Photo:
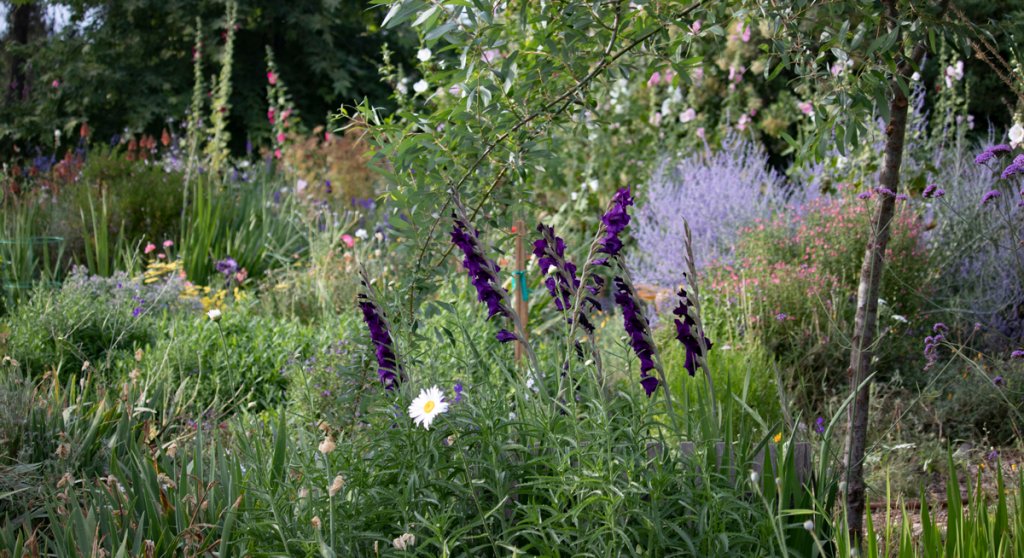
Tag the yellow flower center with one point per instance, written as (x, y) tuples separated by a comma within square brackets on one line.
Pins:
[(429, 406)]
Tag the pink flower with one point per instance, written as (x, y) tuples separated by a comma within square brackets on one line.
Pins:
[(745, 37), (669, 75), (490, 55), (271, 78), (55, 84), (168, 243), (161, 256), (327, 137), (806, 107), (277, 153), (286, 114), (280, 137), (742, 123), (654, 80), (700, 133), (348, 240), (270, 115), (688, 115), (695, 27), (149, 248)]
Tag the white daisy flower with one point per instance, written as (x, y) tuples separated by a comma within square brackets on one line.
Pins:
[(214, 315), (427, 406)]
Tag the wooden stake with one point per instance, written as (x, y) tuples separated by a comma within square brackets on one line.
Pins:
[(519, 286)]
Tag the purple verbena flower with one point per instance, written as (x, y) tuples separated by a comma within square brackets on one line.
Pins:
[(1015, 167), (939, 326), (639, 332), (882, 190), (819, 425), (227, 267), (990, 152), (933, 191), (864, 195), (998, 381), (1018, 354), (388, 369), (989, 196)]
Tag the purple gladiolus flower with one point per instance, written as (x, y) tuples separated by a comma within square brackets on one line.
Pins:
[(388, 369), (136, 311), (686, 333), (989, 196), (505, 336), (561, 281), (457, 388), (639, 331), (819, 425), (615, 221), (483, 272)]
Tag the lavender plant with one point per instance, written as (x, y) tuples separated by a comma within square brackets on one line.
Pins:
[(716, 192)]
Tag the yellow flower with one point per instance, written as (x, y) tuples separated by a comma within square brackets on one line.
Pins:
[(778, 437)]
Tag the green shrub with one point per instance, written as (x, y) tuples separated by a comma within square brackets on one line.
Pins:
[(88, 319), (794, 286), (239, 359)]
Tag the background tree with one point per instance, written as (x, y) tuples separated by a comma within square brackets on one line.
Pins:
[(128, 64)]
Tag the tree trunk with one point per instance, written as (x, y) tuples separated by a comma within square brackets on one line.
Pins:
[(17, 85), (866, 318)]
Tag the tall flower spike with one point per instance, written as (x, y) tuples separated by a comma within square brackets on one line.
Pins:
[(615, 221), (639, 332), (561, 281), (687, 331), (483, 273), (388, 370)]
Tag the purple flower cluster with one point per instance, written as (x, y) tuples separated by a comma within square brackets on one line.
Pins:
[(1017, 166), (989, 196), (990, 152), (687, 331), (615, 221), (931, 344), (227, 267), (387, 362), (639, 331), (561, 279), (933, 191), (483, 273), (1018, 354)]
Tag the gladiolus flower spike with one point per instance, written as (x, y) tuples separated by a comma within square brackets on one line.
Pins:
[(483, 273), (388, 370), (687, 331), (561, 280)]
